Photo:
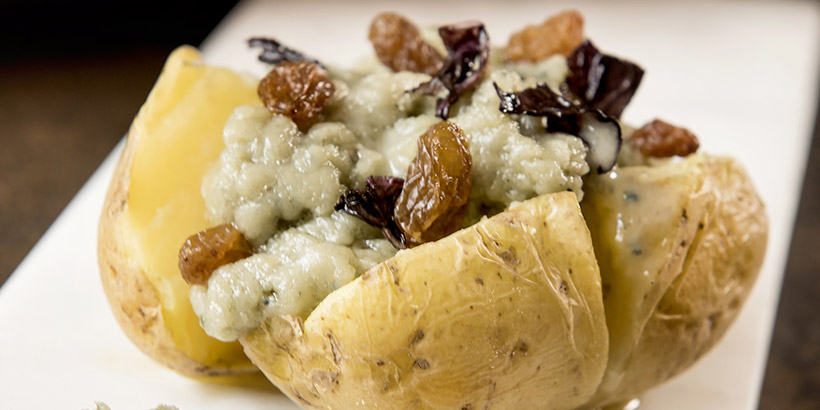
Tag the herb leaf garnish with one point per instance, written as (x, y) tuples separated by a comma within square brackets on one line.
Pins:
[(468, 52), (274, 52), (602, 81), (375, 205), (564, 113)]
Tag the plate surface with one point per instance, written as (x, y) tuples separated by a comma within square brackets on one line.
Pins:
[(741, 75)]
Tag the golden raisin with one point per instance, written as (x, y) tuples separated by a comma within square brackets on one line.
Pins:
[(434, 198), (399, 45), (297, 89), (207, 250), (660, 139), (559, 34)]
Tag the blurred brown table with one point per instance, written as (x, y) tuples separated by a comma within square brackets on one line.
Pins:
[(62, 115)]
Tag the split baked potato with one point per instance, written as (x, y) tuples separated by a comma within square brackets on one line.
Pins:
[(153, 204), (548, 304)]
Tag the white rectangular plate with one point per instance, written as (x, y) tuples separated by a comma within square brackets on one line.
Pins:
[(741, 75)]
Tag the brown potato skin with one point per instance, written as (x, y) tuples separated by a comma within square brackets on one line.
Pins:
[(135, 302), (133, 299), (726, 253), (505, 314), (719, 238)]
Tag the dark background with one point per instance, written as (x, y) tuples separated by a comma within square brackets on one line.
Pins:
[(73, 74)]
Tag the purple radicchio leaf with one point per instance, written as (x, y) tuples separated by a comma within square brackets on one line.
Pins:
[(274, 52), (600, 132), (602, 81), (468, 51), (375, 205), (540, 101)]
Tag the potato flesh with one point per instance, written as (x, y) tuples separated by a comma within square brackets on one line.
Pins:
[(180, 136), (679, 245), (636, 272), (506, 313)]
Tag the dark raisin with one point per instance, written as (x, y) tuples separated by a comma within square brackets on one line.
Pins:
[(559, 34), (399, 45), (207, 250), (434, 198), (468, 55), (299, 90), (660, 139)]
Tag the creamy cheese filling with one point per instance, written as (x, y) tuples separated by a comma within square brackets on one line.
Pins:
[(279, 185)]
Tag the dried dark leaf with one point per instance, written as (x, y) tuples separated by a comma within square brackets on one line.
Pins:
[(468, 51), (375, 205), (564, 113), (602, 81), (540, 101), (274, 52)]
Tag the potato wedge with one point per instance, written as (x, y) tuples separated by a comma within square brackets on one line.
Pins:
[(679, 246), (154, 203), (505, 314)]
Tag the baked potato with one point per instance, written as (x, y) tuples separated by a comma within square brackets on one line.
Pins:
[(504, 313), (546, 304), (153, 204)]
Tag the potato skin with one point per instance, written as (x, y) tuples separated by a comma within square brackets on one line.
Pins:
[(504, 314), (134, 300), (716, 229)]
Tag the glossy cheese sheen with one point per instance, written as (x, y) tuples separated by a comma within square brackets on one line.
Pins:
[(679, 244), (632, 200)]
